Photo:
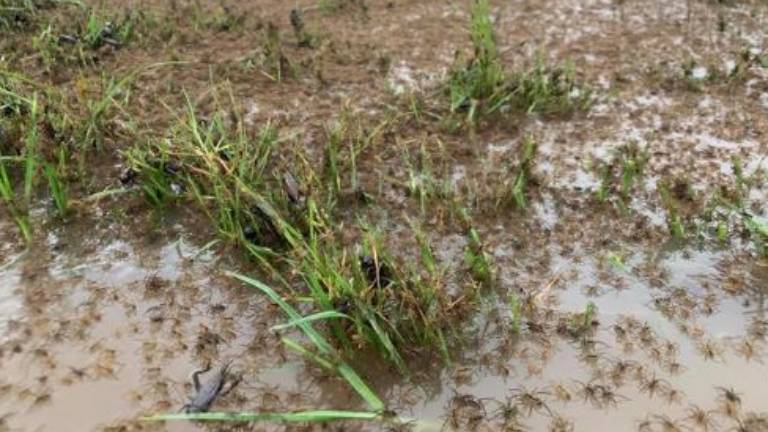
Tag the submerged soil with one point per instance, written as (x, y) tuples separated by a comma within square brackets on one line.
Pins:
[(104, 317)]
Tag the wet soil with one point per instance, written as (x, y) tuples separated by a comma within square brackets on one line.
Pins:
[(104, 318)]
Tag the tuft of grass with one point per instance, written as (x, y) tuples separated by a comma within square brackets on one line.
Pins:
[(674, 219), (273, 62), (622, 173), (482, 87), (483, 76), (477, 259), (57, 189), (515, 313), (523, 176), (324, 349), (236, 176)]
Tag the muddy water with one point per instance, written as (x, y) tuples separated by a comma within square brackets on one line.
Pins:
[(96, 333), (558, 370)]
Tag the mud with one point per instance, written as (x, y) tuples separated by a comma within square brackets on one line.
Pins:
[(104, 318)]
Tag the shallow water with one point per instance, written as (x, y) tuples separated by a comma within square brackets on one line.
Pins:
[(101, 338)]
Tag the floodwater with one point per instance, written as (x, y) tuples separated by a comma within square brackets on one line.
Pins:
[(101, 326), (96, 333)]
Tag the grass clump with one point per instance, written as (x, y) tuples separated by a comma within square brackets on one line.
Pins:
[(482, 87), (238, 178), (514, 189), (19, 14), (622, 173), (219, 167), (731, 209), (675, 222)]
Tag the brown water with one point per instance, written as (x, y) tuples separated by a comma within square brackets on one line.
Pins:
[(95, 339)]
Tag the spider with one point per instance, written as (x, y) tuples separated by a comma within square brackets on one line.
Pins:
[(729, 395), (655, 385), (620, 370), (645, 425), (592, 393), (667, 424), (749, 350), (560, 424), (710, 350), (608, 396), (562, 393), (701, 418), (531, 400), (675, 368), (673, 395), (465, 404), (508, 412)]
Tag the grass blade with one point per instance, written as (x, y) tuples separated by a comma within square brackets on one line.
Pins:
[(301, 416), (312, 334), (309, 318), (322, 345)]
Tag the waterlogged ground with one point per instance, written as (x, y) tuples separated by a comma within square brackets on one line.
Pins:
[(103, 318)]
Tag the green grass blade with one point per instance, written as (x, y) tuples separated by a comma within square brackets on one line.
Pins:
[(310, 318), (290, 343), (301, 416), (31, 140), (322, 345), (57, 190), (360, 387), (6, 189)]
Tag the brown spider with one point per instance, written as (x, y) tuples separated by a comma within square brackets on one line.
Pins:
[(562, 393), (729, 395), (645, 425), (590, 392), (701, 419), (667, 424), (609, 397), (655, 386), (675, 368), (758, 328), (749, 350), (647, 336), (620, 370), (560, 424), (620, 332), (508, 413), (674, 396), (472, 407), (531, 400), (710, 350), (599, 395)]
